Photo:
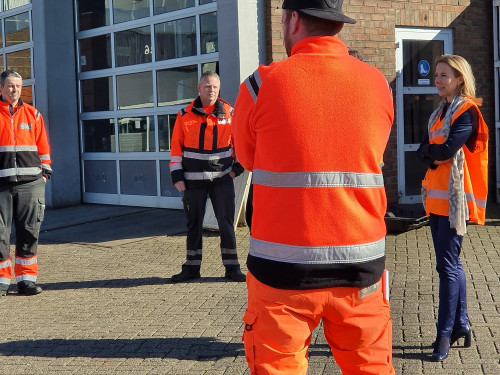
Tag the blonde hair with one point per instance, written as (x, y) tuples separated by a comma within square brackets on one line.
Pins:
[(461, 68)]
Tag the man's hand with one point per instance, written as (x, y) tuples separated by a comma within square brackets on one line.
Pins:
[(180, 185), (232, 174), (44, 179)]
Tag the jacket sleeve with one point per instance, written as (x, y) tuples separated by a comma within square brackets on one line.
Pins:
[(42, 144), (243, 128), (176, 147), (460, 132)]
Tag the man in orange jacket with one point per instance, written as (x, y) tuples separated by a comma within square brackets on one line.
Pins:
[(202, 165), (313, 129), (24, 170)]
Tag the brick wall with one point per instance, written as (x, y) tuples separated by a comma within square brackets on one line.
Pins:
[(374, 37)]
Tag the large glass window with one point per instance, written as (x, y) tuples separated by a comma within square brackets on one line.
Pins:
[(95, 53), (175, 39), (208, 33), (20, 61), (134, 90), (133, 46), (136, 134), (27, 94), (165, 130), (128, 10), (11, 4), (17, 29), (177, 85), (93, 13), (207, 1), (162, 6), (97, 94), (99, 135)]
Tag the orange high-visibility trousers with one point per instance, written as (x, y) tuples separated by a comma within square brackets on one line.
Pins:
[(279, 323)]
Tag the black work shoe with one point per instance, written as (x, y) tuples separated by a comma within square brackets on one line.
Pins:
[(185, 275), (28, 289), (235, 274)]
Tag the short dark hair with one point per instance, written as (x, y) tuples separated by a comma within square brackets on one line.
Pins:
[(317, 26), (208, 74), (8, 73)]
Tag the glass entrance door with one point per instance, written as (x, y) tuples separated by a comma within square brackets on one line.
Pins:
[(415, 101)]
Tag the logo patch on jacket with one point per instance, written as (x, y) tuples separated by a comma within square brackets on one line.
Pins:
[(24, 126), (224, 121)]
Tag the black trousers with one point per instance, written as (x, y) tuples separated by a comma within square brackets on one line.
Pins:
[(221, 193), (24, 204)]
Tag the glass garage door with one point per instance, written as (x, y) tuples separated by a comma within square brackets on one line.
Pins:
[(138, 63)]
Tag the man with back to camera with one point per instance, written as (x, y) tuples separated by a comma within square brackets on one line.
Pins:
[(202, 165), (313, 129), (24, 170)]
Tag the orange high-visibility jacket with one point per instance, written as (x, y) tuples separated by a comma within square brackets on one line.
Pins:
[(475, 171), (24, 146), (313, 129), (201, 146)]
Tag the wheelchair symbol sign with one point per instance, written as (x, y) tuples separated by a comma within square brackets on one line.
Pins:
[(423, 68)]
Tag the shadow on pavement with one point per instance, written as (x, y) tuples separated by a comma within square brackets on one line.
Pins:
[(187, 348)]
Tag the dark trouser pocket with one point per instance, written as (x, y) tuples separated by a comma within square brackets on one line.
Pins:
[(249, 339)]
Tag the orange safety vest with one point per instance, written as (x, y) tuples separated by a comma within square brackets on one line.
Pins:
[(201, 145), (475, 171), (24, 146), (313, 129)]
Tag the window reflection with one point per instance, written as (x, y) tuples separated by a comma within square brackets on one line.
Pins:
[(93, 13), (208, 33), (207, 1), (95, 53), (27, 94), (11, 4), (175, 39), (20, 61), (136, 134), (99, 135), (133, 46), (177, 85), (17, 29), (417, 110), (134, 90), (163, 6), (97, 94), (210, 67), (127, 10), (165, 130)]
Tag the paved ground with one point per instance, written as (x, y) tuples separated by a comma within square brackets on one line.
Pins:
[(109, 307)]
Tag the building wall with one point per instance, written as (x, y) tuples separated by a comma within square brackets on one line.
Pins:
[(373, 36)]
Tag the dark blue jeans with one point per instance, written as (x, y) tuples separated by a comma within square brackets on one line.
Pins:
[(452, 310)]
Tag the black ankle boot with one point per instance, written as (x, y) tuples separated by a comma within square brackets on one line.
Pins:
[(460, 332), (441, 348)]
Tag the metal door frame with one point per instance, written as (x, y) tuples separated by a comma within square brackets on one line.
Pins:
[(412, 34)]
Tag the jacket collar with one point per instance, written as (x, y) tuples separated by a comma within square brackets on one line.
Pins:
[(217, 112), (322, 45)]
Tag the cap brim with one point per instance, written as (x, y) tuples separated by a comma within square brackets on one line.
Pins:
[(332, 16)]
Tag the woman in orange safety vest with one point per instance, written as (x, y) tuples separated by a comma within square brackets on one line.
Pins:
[(454, 190)]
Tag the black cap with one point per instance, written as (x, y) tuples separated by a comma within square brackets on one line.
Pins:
[(325, 9)]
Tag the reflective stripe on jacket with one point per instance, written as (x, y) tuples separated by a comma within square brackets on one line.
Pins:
[(475, 171), (313, 129), (24, 146), (201, 150)]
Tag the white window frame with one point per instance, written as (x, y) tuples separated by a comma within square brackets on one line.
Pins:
[(412, 34)]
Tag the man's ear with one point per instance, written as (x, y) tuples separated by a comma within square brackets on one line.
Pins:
[(294, 22)]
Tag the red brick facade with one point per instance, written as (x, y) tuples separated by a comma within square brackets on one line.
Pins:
[(374, 37)]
